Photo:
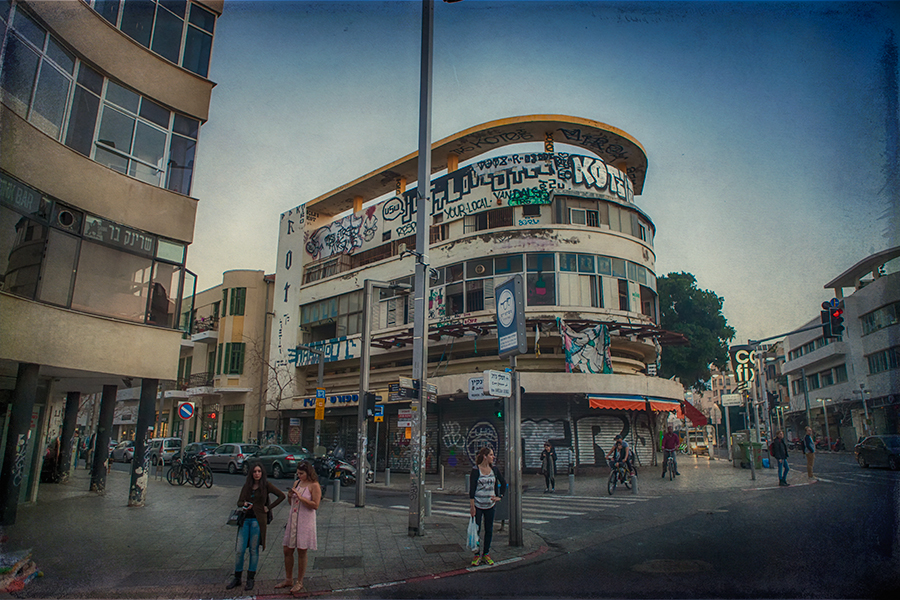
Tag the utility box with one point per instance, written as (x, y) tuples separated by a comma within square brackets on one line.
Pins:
[(744, 451)]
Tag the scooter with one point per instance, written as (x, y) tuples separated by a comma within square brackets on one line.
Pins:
[(329, 467)]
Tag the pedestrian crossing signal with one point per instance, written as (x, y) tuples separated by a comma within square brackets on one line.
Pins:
[(498, 409)]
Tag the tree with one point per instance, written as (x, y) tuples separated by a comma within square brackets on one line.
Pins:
[(278, 381), (697, 314)]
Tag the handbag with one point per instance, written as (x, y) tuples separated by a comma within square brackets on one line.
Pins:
[(236, 517), (472, 535)]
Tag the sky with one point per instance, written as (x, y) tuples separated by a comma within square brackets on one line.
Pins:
[(765, 124)]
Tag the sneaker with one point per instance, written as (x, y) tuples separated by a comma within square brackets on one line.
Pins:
[(487, 559), (476, 561)]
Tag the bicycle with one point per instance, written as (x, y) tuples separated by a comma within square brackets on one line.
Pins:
[(670, 463), (618, 474), (201, 474), (176, 473)]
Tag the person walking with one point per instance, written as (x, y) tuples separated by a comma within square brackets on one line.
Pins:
[(300, 533), (254, 499), (670, 443), (809, 449), (486, 487), (548, 467), (780, 454)]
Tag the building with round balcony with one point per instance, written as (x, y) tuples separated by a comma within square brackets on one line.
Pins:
[(566, 222)]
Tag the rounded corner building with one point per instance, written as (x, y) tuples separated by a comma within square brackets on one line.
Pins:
[(567, 223)]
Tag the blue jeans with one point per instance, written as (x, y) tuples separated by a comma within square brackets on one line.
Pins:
[(783, 469), (248, 535), (488, 515)]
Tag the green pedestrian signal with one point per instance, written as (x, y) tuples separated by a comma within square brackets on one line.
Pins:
[(498, 409)]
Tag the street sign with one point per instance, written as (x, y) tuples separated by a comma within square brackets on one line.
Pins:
[(476, 390), (731, 400), (408, 393), (320, 392), (320, 408), (407, 383), (379, 413), (186, 410), (510, 301), (498, 383)]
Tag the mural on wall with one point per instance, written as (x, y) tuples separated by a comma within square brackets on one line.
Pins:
[(595, 436), (482, 434), (511, 180), (587, 351), (342, 348), (557, 432)]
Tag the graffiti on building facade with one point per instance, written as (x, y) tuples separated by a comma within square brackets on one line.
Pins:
[(588, 350), (342, 348)]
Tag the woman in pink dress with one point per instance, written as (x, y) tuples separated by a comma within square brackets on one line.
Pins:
[(300, 533)]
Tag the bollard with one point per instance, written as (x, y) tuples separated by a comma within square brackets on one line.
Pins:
[(427, 503), (634, 484), (442, 478), (571, 484), (387, 477), (468, 476), (336, 490)]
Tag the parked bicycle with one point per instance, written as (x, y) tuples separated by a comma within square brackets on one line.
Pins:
[(194, 470), (176, 473), (619, 474), (201, 474)]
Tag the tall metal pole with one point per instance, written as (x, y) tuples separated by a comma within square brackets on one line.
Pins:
[(513, 454), (825, 415), (320, 383), (805, 396), (420, 324), (362, 420)]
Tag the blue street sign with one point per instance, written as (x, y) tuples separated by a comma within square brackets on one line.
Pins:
[(320, 392), (510, 300), (186, 410), (379, 410)]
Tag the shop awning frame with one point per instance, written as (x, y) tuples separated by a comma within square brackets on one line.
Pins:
[(631, 402)]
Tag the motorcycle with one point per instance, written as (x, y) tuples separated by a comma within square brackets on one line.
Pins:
[(331, 467)]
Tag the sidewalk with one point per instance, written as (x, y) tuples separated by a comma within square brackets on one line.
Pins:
[(178, 546)]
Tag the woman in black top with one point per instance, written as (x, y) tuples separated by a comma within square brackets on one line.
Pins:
[(780, 454)]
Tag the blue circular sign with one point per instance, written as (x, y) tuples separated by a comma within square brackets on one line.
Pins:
[(186, 410)]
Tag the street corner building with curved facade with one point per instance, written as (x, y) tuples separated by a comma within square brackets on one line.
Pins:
[(566, 222), (102, 104)]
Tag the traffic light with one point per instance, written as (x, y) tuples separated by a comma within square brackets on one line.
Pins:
[(370, 399), (498, 409), (825, 317), (836, 317)]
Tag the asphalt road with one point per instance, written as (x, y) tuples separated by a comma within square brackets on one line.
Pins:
[(834, 539)]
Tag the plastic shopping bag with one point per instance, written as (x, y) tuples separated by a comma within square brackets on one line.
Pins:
[(472, 535)]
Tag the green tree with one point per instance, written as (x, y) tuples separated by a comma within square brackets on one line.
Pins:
[(696, 314)]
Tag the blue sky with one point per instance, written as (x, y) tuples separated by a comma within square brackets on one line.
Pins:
[(763, 123)]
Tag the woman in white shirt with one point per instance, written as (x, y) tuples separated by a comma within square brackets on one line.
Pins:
[(486, 487)]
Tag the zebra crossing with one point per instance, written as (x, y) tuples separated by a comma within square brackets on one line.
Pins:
[(858, 476), (539, 510)]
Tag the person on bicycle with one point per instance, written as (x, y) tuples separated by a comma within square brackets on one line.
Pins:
[(670, 443), (619, 454)]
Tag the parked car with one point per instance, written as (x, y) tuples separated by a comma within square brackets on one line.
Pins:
[(280, 461), (879, 451), (201, 449), (230, 457), (123, 451), (162, 449)]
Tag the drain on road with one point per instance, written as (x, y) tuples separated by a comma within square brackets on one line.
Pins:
[(436, 548), (338, 562), (668, 565)]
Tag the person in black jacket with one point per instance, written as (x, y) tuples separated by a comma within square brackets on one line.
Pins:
[(548, 467), (486, 487), (780, 454)]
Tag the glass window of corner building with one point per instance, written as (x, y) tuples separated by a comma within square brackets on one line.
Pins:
[(568, 262), (509, 264), (112, 283), (167, 32), (482, 267)]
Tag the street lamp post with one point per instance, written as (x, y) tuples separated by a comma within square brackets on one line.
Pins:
[(862, 396), (362, 419), (825, 415)]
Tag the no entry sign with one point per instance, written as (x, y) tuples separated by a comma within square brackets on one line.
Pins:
[(186, 410)]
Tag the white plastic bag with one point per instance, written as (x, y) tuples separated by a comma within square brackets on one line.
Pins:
[(472, 536)]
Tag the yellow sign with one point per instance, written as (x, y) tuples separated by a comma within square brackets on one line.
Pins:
[(408, 433), (320, 409), (379, 419)]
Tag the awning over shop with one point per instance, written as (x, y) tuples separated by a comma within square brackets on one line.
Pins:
[(696, 417), (625, 402)]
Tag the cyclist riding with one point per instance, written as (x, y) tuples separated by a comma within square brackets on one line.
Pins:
[(620, 453), (670, 443)]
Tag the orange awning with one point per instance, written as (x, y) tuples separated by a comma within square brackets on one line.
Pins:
[(618, 403)]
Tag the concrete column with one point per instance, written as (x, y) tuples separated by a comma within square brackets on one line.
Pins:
[(101, 441), (70, 416), (140, 464), (12, 474)]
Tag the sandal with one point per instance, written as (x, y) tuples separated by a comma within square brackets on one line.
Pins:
[(298, 588), (284, 584)]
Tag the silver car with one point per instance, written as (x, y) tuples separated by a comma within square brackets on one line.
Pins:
[(123, 452), (230, 457)]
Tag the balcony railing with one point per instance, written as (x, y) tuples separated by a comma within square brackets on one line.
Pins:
[(196, 380), (206, 324)]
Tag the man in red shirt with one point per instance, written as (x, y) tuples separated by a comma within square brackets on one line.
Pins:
[(670, 443)]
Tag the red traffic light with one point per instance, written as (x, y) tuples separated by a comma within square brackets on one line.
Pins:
[(211, 415), (836, 313)]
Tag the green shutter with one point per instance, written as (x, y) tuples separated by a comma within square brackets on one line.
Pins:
[(219, 363), (238, 359), (188, 366), (211, 362), (224, 302), (227, 358)]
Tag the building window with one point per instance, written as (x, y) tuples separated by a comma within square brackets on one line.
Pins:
[(238, 299), (623, 294), (224, 301), (234, 358), (531, 210), (812, 381), (161, 27), (880, 318), (840, 374), (491, 219), (885, 360), (55, 254)]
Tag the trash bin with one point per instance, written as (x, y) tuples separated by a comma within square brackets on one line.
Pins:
[(742, 460)]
